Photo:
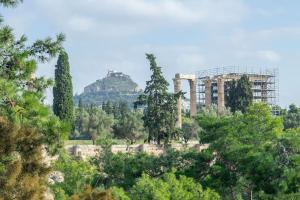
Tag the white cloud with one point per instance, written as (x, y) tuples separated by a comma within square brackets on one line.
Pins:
[(81, 24), (138, 16), (269, 55), (189, 60)]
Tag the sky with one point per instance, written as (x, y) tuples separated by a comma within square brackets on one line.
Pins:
[(186, 36)]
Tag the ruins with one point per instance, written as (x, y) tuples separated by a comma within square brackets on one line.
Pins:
[(193, 95), (211, 87)]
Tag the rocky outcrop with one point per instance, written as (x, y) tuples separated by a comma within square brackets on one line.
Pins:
[(115, 87)]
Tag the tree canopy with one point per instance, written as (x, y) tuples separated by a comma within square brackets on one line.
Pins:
[(27, 125), (160, 106), (240, 94), (251, 159)]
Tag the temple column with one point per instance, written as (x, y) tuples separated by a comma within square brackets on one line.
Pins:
[(193, 97), (221, 96), (177, 88), (208, 93)]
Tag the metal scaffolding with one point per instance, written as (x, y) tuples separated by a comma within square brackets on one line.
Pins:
[(265, 83)]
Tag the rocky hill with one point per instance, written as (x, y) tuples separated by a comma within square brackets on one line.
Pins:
[(115, 87)]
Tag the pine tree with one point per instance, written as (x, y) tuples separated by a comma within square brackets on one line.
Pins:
[(240, 94), (23, 173), (103, 106), (26, 125), (80, 104), (63, 90), (160, 112)]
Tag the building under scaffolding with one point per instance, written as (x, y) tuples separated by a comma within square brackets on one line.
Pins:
[(213, 85)]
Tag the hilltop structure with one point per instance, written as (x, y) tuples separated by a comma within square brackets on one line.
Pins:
[(115, 87)]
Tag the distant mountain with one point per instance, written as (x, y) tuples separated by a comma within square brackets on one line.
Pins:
[(115, 87)]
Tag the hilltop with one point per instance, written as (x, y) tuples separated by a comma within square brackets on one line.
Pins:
[(115, 87)]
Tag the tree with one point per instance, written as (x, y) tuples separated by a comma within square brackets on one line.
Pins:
[(190, 129), (99, 123), (93, 194), (23, 174), (80, 123), (130, 127), (169, 187), (160, 111), (252, 157), (26, 123), (91, 122), (63, 89), (109, 108), (77, 174), (240, 94), (292, 117), (10, 3)]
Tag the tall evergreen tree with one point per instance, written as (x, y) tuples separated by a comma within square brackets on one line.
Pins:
[(26, 126), (63, 89), (240, 94), (160, 112)]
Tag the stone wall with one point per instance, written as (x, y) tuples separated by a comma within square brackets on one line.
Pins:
[(87, 151)]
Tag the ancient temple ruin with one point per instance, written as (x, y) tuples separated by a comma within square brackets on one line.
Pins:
[(193, 95), (211, 87)]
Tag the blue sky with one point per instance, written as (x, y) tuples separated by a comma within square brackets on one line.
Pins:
[(185, 35)]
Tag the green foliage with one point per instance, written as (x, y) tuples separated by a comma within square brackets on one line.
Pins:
[(10, 3), (22, 171), (92, 122), (292, 117), (63, 89), (169, 187), (212, 111), (93, 194), (160, 111), (119, 194), (21, 93), (31, 126), (130, 127), (59, 193), (190, 129), (250, 155), (77, 174), (240, 94), (123, 170)]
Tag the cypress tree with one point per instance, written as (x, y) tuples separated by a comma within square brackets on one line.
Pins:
[(63, 89), (245, 97), (240, 94)]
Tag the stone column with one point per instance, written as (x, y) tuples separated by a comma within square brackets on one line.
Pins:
[(221, 96), (177, 88), (208, 93), (193, 97)]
